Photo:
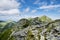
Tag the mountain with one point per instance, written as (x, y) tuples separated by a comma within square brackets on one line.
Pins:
[(38, 28), (45, 19), (23, 23), (8, 25), (2, 21), (50, 31)]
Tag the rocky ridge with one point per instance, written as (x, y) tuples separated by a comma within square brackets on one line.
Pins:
[(39, 30)]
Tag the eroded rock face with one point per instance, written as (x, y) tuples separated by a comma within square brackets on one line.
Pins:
[(40, 32)]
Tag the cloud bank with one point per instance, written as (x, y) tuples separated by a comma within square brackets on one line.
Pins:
[(8, 7)]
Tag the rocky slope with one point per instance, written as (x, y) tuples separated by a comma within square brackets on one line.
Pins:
[(38, 29)]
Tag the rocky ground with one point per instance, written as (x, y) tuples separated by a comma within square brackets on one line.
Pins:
[(40, 31)]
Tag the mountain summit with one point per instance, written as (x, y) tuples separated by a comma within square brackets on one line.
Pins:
[(45, 19)]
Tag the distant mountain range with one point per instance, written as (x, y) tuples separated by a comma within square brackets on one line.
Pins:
[(38, 28)]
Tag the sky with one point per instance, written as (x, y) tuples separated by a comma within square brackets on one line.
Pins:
[(17, 9)]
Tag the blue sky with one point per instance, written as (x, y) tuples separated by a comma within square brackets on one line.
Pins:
[(17, 9)]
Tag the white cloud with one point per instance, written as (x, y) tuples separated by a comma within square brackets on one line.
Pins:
[(36, 2), (9, 7), (8, 4), (49, 7), (23, 1), (43, 3), (27, 9), (52, 1), (33, 11), (59, 11), (10, 12), (15, 18)]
